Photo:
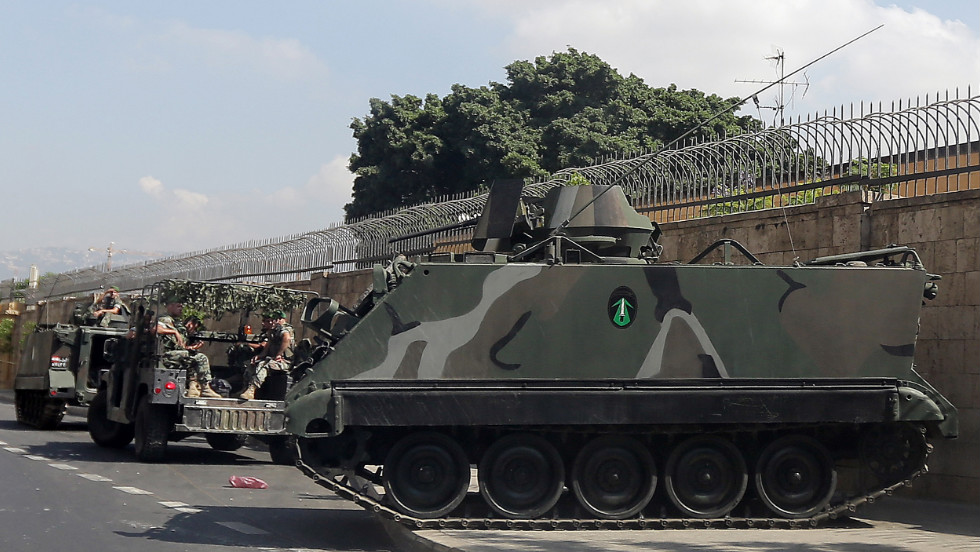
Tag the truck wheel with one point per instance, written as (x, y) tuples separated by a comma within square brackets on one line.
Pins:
[(153, 422), (283, 450), (226, 441), (105, 432)]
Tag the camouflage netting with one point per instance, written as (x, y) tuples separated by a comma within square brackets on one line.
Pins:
[(214, 300)]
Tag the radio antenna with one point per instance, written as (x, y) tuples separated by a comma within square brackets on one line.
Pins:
[(738, 102)]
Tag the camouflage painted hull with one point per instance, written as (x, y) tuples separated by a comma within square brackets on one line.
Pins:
[(785, 351), (536, 321), (580, 377)]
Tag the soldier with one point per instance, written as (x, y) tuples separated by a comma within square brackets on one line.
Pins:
[(108, 304), (275, 354), (177, 353)]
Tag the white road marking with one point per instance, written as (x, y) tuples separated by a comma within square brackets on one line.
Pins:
[(3, 443), (93, 477), (132, 490), (242, 528), (35, 457), (65, 467), (181, 507), (15, 449)]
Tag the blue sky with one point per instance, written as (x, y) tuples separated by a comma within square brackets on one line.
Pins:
[(184, 125)]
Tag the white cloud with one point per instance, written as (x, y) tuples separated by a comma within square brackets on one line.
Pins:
[(189, 199), (333, 183), (284, 58), (193, 220), (151, 186), (319, 201), (708, 44)]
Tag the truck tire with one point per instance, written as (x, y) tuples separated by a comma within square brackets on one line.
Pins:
[(152, 427), (282, 449), (105, 432), (226, 441)]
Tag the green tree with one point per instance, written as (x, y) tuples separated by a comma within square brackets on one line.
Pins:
[(6, 335), (560, 111)]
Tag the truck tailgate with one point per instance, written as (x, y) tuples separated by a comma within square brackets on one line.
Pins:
[(233, 416)]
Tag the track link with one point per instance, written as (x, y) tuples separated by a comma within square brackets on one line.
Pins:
[(341, 486)]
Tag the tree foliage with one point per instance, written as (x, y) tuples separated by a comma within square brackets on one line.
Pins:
[(555, 112), (6, 335)]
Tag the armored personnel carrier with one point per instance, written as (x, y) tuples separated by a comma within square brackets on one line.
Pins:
[(591, 386)]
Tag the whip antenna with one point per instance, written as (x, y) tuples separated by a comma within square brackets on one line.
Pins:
[(738, 102)]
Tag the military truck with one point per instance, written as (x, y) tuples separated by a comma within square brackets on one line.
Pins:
[(60, 366), (592, 386), (143, 397)]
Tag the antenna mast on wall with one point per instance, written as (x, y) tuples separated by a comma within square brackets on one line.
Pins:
[(779, 57)]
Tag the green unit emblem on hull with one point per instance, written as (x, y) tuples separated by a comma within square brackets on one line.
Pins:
[(622, 307)]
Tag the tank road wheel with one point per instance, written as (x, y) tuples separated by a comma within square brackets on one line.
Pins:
[(426, 475), (893, 452), (105, 432), (614, 477), (706, 477), (152, 429), (521, 476), (225, 441), (795, 476)]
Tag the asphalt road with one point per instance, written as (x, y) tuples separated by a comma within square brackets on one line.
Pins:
[(62, 492)]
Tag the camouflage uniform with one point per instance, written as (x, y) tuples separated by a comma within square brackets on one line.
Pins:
[(108, 303), (174, 357), (256, 373)]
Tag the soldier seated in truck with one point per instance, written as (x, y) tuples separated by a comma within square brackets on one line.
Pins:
[(275, 354), (105, 307), (177, 353)]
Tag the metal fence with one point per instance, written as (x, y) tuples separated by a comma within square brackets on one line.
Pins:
[(909, 148)]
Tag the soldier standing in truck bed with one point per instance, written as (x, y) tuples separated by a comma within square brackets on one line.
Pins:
[(276, 354)]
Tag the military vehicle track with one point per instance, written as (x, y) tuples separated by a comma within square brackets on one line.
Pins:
[(365, 497), (36, 409)]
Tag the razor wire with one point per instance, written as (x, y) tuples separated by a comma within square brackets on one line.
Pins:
[(926, 146)]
